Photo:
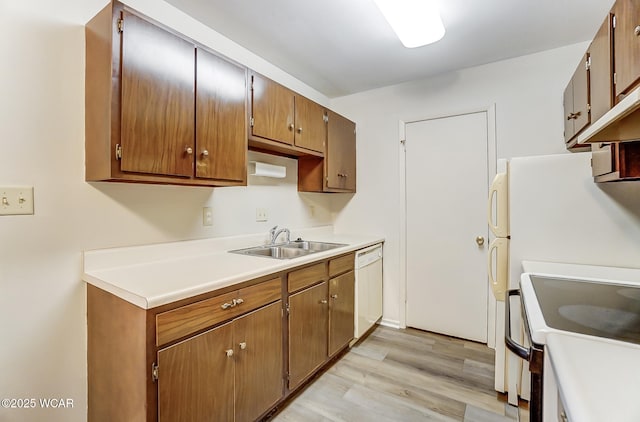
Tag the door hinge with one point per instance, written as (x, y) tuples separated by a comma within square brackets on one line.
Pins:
[(587, 64), (615, 78), (614, 22), (287, 309), (588, 108), (118, 152), (325, 118), (120, 25), (403, 141), (154, 372), (251, 121)]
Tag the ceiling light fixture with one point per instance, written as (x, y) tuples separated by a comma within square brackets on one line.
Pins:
[(415, 22)]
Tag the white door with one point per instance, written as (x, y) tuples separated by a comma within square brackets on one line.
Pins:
[(446, 199)]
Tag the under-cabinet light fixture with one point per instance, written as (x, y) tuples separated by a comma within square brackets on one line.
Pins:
[(256, 168), (415, 22)]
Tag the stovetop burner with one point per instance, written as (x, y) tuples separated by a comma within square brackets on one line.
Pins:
[(591, 308)]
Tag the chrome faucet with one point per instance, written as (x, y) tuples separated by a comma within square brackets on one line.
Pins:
[(275, 232)]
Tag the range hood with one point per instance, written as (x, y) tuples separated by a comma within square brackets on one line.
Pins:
[(621, 123)]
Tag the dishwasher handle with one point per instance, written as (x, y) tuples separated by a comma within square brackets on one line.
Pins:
[(518, 349)]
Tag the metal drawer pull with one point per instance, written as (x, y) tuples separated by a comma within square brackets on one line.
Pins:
[(637, 30), (233, 303), (323, 302), (243, 345), (334, 296), (229, 352)]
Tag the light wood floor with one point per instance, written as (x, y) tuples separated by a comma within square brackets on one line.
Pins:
[(405, 375)]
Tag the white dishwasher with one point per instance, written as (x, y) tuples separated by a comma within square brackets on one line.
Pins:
[(368, 302)]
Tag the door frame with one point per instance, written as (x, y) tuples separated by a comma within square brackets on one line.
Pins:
[(490, 111)]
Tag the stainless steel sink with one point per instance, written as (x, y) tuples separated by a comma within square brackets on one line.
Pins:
[(289, 250)]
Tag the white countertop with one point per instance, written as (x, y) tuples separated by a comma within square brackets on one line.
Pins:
[(598, 379), (154, 275)]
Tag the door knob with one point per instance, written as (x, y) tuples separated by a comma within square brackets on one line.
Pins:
[(480, 240)]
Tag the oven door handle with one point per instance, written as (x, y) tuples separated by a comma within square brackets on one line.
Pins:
[(518, 349)]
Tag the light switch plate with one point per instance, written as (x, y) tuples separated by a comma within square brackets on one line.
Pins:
[(262, 214), (16, 200), (207, 216)]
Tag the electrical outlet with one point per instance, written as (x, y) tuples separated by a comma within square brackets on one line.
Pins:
[(262, 214), (207, 216), (16, 200)]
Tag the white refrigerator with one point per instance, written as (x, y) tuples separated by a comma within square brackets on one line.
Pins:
[(555, 213)]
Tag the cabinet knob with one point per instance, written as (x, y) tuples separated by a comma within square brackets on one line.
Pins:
[(291, 126), (188, 150), (205, 153), (243, 345), (480, 240), (238, 301), (227, 305), (637, 31), (323, 302), (229, 352), (299, 130), (334, 296)]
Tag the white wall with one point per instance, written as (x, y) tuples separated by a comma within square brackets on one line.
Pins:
[(42, 297), (527, 92)]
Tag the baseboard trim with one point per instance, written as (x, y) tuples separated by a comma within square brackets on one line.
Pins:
[(392, 323)]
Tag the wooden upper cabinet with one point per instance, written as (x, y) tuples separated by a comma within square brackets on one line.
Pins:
[(600, 71), (221, 139), (340, 159), (157, 110), (285, 122), (626, 45), (141, 106), (272, 110), (576, 101), (310, 125)]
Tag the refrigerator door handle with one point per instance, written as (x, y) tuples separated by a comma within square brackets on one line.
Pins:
[(499, 284), (499, 186)]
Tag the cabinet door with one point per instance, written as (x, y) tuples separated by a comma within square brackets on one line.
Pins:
[(272, 109), (308, 313), (581, 96), (341, 311), (196, 378), (157, 104), (310, 124), (567, 103), (600, 87), (340, 159), (626, 44), (221, 133), (259, 375)]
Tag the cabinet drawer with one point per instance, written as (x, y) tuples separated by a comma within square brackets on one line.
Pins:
[(300, 279), (341, 265), (180, 322)]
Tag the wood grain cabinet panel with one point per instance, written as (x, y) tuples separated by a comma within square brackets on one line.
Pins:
[(341, 311), (336, 172), (600, 71), (221, 139), (144, 121), (157, 100), (308, 330), (272, 110), (196, 378), (626, 45), (576, 103), (259, 360), (305, 277), (310, 125), (342, 264)]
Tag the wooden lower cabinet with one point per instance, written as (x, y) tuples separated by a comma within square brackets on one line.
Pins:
[(308, 313), (196, 378), (341, 311), (230, 373)]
